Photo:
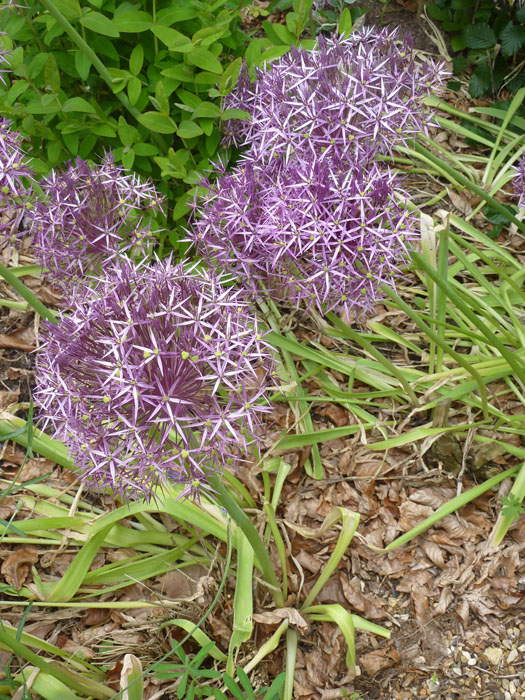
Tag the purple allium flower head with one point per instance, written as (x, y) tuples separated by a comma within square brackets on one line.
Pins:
[(519, 182), (89, 216), (155, 377), (314, 231), (15, 184), (359, 94)]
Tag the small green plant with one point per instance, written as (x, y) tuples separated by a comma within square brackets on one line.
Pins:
[(487, 35), (193, 681)]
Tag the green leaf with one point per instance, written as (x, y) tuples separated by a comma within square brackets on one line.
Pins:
[(208, 35), (520, 14), (345, 23), (480, 80), (100, 24), (181, 207), (162, 98), (159, 123), (206, 109), (132, 21), (69, 8), (479, 36), (512, 39), (278, 34), (51, 74), (71, 141), (126, 133), (145, 149), (202, 58), (188, 129), (235, 113), (177, 13), (82, 64), (128, 159), (181, 72), (174, 40), (136, 59), (229, 78), (274, 52), (78, 104), (134, 90)]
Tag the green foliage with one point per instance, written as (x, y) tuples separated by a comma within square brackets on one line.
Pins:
[(512, 506), (145, 80), (488, 36), (193, 679)]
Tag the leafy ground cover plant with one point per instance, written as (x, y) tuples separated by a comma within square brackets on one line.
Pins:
[(489, 36), (144, 81)]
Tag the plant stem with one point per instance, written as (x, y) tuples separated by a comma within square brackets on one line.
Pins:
[(26, 294), (238, 516)]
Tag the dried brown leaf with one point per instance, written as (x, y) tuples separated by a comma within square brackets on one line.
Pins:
[(378, 660), (336, 414), (7, 398), (412, 513), (275, 617), (15, 566), (23, 339), (96, 616)]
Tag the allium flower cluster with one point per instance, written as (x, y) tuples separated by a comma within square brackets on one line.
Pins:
[(15, 184), (309, 212), (155, 377), (89, 216), (360, 95), (313, 231), (519, 182)]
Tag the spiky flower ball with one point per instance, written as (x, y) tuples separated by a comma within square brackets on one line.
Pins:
[(16, 180), (156, 377), (361, 94), (314, 231), (89, 216), (519, 182)]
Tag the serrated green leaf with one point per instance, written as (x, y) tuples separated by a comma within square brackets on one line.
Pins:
[(159, 123), (100, 24), (479, 36), (480, 80), (202, 58), (512, 39), (78, 104), (188, 129)]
